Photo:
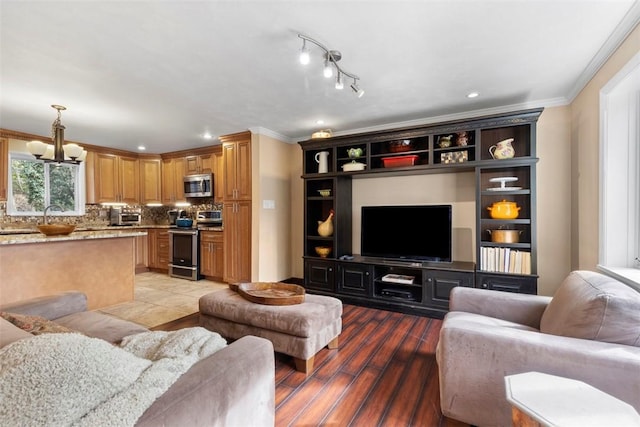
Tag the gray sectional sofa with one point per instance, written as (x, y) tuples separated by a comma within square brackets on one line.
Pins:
[(234, 386)]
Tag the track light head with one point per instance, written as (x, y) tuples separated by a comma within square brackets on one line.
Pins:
[(339, 82), (304, 54), (328, 69), (359, 92)]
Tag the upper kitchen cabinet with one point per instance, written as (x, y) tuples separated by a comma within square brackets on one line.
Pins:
[(173, 172), (150, 180), (200, 163), (117, 178), (4, 167), (236, 168)]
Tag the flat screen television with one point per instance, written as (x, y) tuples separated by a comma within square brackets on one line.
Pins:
[(412, 233)]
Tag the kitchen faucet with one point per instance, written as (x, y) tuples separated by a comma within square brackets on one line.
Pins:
[(44, 219)]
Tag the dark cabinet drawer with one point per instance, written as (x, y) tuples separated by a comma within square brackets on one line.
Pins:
[(319, 275), (508, 283), (438, 286), (355, 279)]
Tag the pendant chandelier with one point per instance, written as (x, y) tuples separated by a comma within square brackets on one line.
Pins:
[(58, 152)]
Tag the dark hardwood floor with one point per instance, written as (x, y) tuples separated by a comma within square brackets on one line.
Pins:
[(383, 374)]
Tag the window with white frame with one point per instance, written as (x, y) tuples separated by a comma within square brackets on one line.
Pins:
[(34, 185), (620, 175)]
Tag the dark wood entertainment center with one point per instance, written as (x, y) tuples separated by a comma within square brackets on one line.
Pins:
[(359, 280)]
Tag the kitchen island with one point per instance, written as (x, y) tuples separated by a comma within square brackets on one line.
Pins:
[(99, 263)]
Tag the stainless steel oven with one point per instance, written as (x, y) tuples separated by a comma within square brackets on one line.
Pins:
[(184, 253)]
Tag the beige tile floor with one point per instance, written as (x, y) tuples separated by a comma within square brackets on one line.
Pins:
[(160, 299)]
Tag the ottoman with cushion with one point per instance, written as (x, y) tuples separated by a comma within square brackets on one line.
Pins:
[(299, 330)]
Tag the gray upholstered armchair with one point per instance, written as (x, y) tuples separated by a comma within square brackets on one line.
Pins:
[(589, 331)]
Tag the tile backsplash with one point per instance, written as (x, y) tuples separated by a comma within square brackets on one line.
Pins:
[(98, 215)]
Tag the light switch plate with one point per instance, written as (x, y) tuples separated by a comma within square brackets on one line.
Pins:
[(268, 204)]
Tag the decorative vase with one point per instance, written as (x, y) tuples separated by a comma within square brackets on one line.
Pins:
[(322, 159), (502, 150), (325, 228)]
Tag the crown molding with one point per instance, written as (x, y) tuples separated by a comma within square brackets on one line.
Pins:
[(552, 102), (272, 134), (628, 23)]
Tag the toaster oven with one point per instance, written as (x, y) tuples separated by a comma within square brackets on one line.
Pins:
[(125, 216)]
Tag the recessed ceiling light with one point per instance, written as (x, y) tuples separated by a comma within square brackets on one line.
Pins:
[(141, 147), (320, 122), (207, 135), (472, 95)]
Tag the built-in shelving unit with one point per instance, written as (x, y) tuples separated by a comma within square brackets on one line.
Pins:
[(449, 147)]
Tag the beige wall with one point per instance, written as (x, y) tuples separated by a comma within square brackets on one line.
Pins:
[(554, 198), (272, 227), (585, 134), (455, 189)]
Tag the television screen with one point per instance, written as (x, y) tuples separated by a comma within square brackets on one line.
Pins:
[(420, 233)]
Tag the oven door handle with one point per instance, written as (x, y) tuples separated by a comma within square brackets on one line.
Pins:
[(190, 232)]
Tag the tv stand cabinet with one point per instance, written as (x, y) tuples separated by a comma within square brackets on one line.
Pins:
[(359, 281)]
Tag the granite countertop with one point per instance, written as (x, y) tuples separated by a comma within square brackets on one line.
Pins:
[(37, 237), (32, 235)]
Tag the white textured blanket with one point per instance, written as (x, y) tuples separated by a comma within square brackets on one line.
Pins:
[(71, 379)]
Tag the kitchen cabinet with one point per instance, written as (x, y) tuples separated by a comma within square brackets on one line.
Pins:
[(201, 163), (237, 241), (4, 167), (158, 240), (212, 254), (150, 180), (236, 197), (236, 167), (117, 179), (172, 180)]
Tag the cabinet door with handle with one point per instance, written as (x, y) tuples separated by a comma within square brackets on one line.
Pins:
[(354, 279), (438, 285), (319, 275)]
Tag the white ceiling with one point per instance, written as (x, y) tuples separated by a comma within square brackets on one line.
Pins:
[(162, 73)]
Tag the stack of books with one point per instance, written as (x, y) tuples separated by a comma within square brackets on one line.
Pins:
[(505, 260)]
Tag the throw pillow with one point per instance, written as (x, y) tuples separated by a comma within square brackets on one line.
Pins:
[(35, 325), (593, 306)]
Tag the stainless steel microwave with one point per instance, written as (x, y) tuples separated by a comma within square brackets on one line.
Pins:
[(200, 185)]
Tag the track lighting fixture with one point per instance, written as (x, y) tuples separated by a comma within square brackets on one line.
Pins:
[(331, 58)]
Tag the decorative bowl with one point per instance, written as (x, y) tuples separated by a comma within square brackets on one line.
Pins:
[(326, 192), (184, 222), (56, 229), (353, 166), (323, 251), (400, 145)]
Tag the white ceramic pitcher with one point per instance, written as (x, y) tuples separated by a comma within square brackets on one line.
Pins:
[(322, 159)]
